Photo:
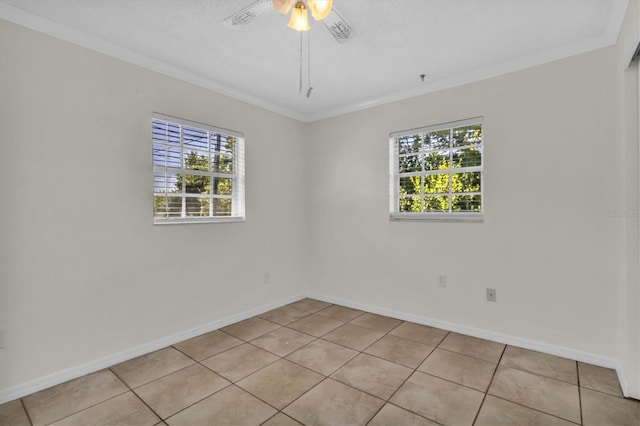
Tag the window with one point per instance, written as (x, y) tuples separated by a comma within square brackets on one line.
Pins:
[(436, 172), (198, 172)]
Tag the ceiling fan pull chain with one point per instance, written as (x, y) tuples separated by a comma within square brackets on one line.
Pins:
[(309, 88), (300, 86)]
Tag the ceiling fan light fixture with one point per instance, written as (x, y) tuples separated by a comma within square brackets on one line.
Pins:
[(299, 18), (320, 9), (283, 6)]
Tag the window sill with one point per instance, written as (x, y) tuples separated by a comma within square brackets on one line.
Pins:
[(438, 217), (181, 221)]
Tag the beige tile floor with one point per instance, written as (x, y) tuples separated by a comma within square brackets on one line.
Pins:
[(314, 363)]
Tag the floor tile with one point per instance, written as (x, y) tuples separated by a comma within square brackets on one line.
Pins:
[(239, 362), (281, 420), (473, 346), (12, 414), (124, 410), (207, 345), (600, 409), (393, 415), (175, 392), (438, 399), (376, 322), (280, 360), (373, 375), (546, 365), (144, 369), (332, 403), (340, 313), (465, 370), (541, 393), (230, 406), (354, 337), (282, 341), (496, 411), (599, 378), (284, 315), (68, 398), (399, 350), (420, 333), (322, 356), (315, 325), (310, 305), (250, 328), (280, 383)]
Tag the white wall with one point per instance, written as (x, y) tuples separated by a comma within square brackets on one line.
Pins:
[(629, 288), (84, 272), (552, 167)]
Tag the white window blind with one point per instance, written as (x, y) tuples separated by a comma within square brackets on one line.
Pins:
[(436, 172), (198, 172)]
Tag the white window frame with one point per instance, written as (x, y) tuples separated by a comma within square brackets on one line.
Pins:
[(394, 176), (237, 177)]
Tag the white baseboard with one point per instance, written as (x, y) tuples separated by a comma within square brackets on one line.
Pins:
[(547, 348), (36, 385), (622, 378), (14, 392)]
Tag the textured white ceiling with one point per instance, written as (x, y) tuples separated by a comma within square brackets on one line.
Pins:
[(451, 41)]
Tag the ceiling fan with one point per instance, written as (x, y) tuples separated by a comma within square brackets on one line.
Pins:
[(333, 21)]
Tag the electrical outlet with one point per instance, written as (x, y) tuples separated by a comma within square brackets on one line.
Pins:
[(267, 277), (442, 280), (491, 295)]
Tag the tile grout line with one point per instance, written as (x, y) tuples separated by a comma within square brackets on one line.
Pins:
[(512, 367), (537, 410), (243, 377), (540, 375), (83, 409), (410, 375), (308, 368), (579, 393), (162, 419), (147, 405), (327, 377), (518, 403), (450, 381), (248, 342), (138, 396), (486, 392), (414, 369), (24, 407), (91, 406), (160, 377), (200, 400), (300, 396), (273, 406), (624, 398), (279, 410)]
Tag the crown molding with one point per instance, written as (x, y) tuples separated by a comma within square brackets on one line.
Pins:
[(63, 32), (54, 29), (606, 39)]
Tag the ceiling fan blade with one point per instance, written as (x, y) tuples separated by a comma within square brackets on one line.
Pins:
[(337, 26), (249, 13)]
